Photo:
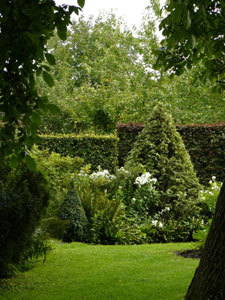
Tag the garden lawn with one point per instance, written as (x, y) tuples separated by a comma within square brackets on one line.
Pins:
[(79, 271)]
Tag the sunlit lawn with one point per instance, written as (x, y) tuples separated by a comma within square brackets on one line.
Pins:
[(79, 271)]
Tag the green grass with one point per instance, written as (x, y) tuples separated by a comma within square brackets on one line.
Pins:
[(77, 271)]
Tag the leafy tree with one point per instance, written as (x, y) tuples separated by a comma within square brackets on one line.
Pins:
[(25, 27), (96, 72), (194, 33), (104, 75)]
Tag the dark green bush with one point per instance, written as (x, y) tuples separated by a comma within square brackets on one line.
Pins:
[(95, 150), (72, 209), (23, 198), (160, 149)]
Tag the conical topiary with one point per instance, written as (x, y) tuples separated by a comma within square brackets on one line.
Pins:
[(160, 148), (72, 209)]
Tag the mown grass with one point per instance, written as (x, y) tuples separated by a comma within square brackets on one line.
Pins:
[(78, 271)]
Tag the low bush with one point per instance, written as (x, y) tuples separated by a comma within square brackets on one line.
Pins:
[(208, 206), (71, 209)]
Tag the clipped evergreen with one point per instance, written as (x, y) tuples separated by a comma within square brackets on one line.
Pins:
[(159, 147), (72, 209)]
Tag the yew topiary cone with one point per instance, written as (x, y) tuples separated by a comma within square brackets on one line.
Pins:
[(160, 148)]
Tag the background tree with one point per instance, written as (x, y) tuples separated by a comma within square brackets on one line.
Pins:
[(194, 33), (25, 27), (104, 75)]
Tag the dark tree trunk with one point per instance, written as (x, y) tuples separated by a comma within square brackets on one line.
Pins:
[(208, 282)]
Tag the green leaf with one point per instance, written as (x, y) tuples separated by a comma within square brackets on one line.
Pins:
[(47, 68), (50, 58), (30, 162), (61, 30), (13, 161), (81, 3), (31, 81), (188, 19), (193, 40), (38, 72), (48, 78), (75, 9), (36, 119)]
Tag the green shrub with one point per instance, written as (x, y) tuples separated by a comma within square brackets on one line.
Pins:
[(100, 194), (38, 246), (170, 231), (72, 209), (161, 150), (209, 199), (23, 199), (93, 189), (59, 170), (136, 189), (95, 150)]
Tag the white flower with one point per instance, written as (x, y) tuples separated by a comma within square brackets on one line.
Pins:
[(122, 170), (160, 224), (154, 222), (157, 223), (82, 173), (214, 178), (145, 178), (102, 174), (167, 208)]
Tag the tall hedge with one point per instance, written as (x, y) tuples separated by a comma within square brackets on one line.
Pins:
[(95, 150), (204, 142), (160, 149)]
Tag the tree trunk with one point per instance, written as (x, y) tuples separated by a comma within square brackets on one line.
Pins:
[(208, 282)]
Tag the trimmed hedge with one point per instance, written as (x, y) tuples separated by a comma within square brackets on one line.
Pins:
[(94, 149), (205, 144)]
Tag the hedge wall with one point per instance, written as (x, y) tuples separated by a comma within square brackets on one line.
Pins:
[(95, 150), (205, 144)]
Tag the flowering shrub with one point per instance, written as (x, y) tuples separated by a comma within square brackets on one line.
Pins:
[(209, 197), (115, 204)]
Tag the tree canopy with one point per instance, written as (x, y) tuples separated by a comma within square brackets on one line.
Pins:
[(25, 27), (104, 75), (194, 33)]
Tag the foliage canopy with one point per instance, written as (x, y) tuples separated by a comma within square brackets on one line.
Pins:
[(23, 56)]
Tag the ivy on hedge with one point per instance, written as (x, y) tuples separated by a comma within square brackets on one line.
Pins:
[(97, 150), (205, 144)]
